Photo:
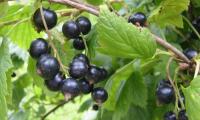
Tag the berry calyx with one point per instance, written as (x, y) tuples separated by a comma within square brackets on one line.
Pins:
[(138, 18), (182, 115), (78, 44), (47, 66), (190, 53), (70, 87), (99, 95), (95, 107), (49, 16), (70, 29), (78, 69), (82, 57), (85, 86), (55, 83), (165, 94), (94, 74), (170, 116), (39, 47), (84, 24)]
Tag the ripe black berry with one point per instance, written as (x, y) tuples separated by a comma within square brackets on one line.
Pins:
[(55, 83), (99, 95), (50, 18), (39, 47), (85, 86), (138, 18), (78, 43), (78, 69), (95, 107), (71, 87), (82, 57), (70, 29), (190, 53), (182, 115), (47, 66), (103, 73), (94, 74), (84, 24), (170, 116), (165, 94)]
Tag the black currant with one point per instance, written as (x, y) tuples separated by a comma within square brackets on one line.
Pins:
[(84, 24), (138, 18), (190, 53), (104, 73), (94, 74), (99, 95), (39, 47), (82, 57), (47, 66), (55, 83), (71, 87), (165, 94), (70, 29), (170, 116), (50, 18), (78, 44), (85, 86), (163, 82), (95, 107), (182, 115), (78, 69)]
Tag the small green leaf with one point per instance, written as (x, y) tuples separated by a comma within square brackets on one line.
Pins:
[(192, 97), (119, 38), (169, 13)]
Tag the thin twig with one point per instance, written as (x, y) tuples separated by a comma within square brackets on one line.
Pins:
[(197, 68)]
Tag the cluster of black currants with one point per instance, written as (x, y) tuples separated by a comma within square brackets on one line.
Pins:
[(74, 29), (82, 75)]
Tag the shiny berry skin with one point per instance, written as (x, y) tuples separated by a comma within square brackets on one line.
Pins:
[(39, 47), (182, 115), (84, 24), (94, 74), (99, 95), (138, 18), (50, 18), (70, 29), (165, 94), (78, 44), (190, 53), (104, 73), (55, 83), (95, 107), (82, 57), (170, 116), (78, 69), (70, 86), (47, 66), (85, 86)]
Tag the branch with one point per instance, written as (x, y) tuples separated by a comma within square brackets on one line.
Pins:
[(96, 11)]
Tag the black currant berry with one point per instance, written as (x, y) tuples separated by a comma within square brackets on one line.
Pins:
[(165, 94), (78, 44), (190, 53), (85, 86), (78, 69), (95, 107), (39, 47), (71, 87), (182, 115), (47, 66), (84, 24), (99, 95), (55, 83), (104, 73), (94, 74), (163, 82), (70, 29), (138, 18), (170, 116), (50, 18), (82, 57)]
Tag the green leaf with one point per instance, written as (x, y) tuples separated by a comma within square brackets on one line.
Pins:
[(5, 65), (4, 8), (119, 38), (192, 97), (169, 13)]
